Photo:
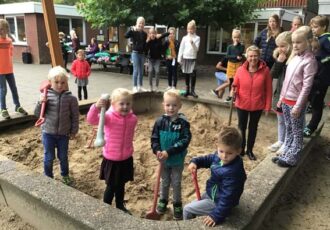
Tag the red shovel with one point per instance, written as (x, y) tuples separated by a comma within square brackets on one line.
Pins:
[(194, 177), (152, 214), (43, 89)]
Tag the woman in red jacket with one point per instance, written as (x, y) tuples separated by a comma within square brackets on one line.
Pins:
[(253, 90)]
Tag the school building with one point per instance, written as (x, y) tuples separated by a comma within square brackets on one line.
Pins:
[(28, 30)]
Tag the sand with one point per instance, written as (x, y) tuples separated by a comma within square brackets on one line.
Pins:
[(304, 205), (85, 162)]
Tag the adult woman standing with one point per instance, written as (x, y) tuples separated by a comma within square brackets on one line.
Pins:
[(253, 88), (266, 39)]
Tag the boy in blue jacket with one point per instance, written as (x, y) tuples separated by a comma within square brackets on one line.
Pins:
[(169, 141), (226, 184)]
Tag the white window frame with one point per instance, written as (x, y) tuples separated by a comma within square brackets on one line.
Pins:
[(16, 29), (83, 41)]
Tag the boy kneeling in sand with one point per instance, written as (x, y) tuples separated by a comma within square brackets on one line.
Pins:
[(226, 184)]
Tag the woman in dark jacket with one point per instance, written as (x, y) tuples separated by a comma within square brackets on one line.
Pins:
[(266, 39)]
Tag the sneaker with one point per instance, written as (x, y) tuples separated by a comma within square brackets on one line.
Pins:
[(66, 180), (283, 164), (173, 87), (307, 132), (228, 99), (275, 160), (141, 89), (5, 114), (280, 150), (168, 88), (21, 111), (162, 206), (177, 211), (276, 146), (214, 92), (135, 89)]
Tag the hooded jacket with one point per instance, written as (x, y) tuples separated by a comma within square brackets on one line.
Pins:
[(253, 92)]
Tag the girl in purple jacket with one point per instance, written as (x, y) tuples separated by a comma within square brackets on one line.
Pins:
[(119, 126), (293, 98)]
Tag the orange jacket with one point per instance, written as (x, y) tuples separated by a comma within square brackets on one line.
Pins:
[(6, 56), (253, 92)]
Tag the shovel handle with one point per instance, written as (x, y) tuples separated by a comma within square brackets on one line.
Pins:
[(194, 177), (156, 188)]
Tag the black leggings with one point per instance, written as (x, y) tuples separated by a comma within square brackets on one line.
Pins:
[(112, 191), (253, 118), (85, 92)]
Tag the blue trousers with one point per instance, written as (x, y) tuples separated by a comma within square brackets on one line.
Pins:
[(138, 66), (3, 89), (50, 142)]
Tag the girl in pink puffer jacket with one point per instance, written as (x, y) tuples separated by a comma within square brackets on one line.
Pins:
[(119, 126)]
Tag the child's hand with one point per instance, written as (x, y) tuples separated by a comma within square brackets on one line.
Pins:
[(279, 104), (239, 58), (162, 155), (295, 112), (42, 98), (208, 221), (192, 167), (101, 103), (281, 57)]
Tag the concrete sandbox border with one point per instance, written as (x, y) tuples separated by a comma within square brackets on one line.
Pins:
[(49, 204)]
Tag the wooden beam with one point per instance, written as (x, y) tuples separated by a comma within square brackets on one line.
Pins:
[(52, 33)]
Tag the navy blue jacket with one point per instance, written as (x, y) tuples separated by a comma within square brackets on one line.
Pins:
[(172, 137), (267, 47), (323, 53), (225, 185)]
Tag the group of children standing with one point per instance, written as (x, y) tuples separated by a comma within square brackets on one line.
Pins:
[(151, 45)]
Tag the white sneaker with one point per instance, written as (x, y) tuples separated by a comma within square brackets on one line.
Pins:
[(168, 88), (173, 87), (135, 89), (141, 89), (274, 147), (280, 150)]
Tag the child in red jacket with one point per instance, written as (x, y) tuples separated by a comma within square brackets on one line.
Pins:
[(81, 70)]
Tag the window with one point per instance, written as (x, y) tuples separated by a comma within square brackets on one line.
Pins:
[(218, 40), (17, 29), (66, 24)]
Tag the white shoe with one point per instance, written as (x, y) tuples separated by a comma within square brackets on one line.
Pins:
[(280, 150), (274, 147), (168, 88), (173, 87), (135, 89), (141, 89)]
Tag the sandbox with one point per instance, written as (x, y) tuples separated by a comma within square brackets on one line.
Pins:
[(24, 146)]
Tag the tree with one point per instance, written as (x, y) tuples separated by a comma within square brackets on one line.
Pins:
[(223, 13)]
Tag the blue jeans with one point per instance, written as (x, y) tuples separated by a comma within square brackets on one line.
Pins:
[(138, 65), (3, 89), (221, 77), (50, 142)]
